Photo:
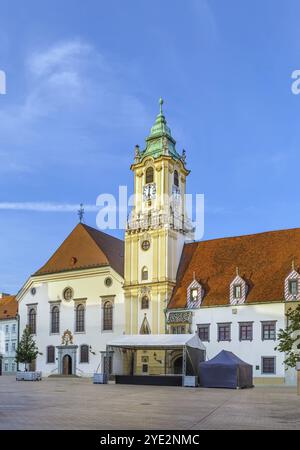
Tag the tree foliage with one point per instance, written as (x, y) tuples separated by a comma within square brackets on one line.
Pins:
[(289, 338), (27, 350)]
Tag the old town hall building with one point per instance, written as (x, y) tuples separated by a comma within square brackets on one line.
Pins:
[(232, 292)]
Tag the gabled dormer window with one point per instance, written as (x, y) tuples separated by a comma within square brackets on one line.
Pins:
[(292, 285), (194, 295), (238, 290)]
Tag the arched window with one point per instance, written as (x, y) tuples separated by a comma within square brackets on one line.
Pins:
[(176, 179), (145, 302), (32, 320), (50, 354), (80, 313), (107, 316), (144, 273), (149, 175), (55, 319), (84, 353)]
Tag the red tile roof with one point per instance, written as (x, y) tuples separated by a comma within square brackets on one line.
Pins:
[(8, 307), (85, 248), (264, 260)]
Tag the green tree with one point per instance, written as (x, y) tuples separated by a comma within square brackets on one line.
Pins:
[(289, 338), (27, 350)]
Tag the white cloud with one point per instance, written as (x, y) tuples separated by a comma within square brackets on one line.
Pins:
[(45, 207), (71, 91), (58, 57)]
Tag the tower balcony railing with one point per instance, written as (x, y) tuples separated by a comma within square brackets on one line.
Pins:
[(156, 219)]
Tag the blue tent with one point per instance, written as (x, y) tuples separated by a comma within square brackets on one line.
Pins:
[(225, 370)]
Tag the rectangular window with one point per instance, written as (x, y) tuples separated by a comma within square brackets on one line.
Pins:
[(13, 367), (50, 354), (6, 329), (203, 332), (145, 368), (268, 364), (237, 291), (246, 331), (268, 331), (14, 328), (224, 332), (194, 294), (293, 287), (13, 346), (6, 347), (6, 367), (178, 329)]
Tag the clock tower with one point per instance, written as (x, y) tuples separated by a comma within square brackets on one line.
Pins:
[(156, 230)]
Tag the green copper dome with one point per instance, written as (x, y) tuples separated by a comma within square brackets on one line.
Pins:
[(160, 141)]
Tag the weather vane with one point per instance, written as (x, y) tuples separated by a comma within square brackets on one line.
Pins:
[(81, 212)]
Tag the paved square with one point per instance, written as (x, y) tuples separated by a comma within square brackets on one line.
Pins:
[(78, 404)]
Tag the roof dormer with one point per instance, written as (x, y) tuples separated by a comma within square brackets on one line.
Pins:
[(292, 285), (238, 290), (195, 294)]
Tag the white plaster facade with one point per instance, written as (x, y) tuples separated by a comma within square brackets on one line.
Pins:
[(89, 289), (8, 345), (251, 351)]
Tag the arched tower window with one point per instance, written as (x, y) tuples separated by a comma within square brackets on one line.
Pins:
[(144, 273), (107, 316), (80, 319), (145, 302), (32, 320), (149, 175), (55, 319), (176, 179)]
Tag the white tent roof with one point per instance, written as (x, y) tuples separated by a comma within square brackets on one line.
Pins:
[(157, 341)]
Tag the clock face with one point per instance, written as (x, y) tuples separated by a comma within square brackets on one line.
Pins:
[(149, 191)]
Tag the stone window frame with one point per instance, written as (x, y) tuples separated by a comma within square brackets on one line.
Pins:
[(80, 354), (104, 300), (262, 365), (77, 303), (144, 273), (207, 327), (32, 306), (47, 354), (266, 323), (246, 323), (293, 276), (222, 324), (52, 305), (238, 281)]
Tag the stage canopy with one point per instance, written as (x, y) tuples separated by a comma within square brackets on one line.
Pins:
[(186, 349), (157, 341)]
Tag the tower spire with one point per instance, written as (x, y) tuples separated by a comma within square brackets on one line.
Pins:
[(161, 102)]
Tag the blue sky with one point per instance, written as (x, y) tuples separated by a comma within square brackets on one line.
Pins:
[(83, 82)]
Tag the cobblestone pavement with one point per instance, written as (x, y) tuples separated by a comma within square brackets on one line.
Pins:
[(78, 404)]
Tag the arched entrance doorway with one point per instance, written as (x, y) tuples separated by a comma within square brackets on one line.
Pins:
[(67, 365), (177, 366)]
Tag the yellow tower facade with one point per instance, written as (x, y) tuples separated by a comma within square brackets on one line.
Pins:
[(156, 231)]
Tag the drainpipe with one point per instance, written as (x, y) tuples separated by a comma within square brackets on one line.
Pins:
[(18, 335)]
